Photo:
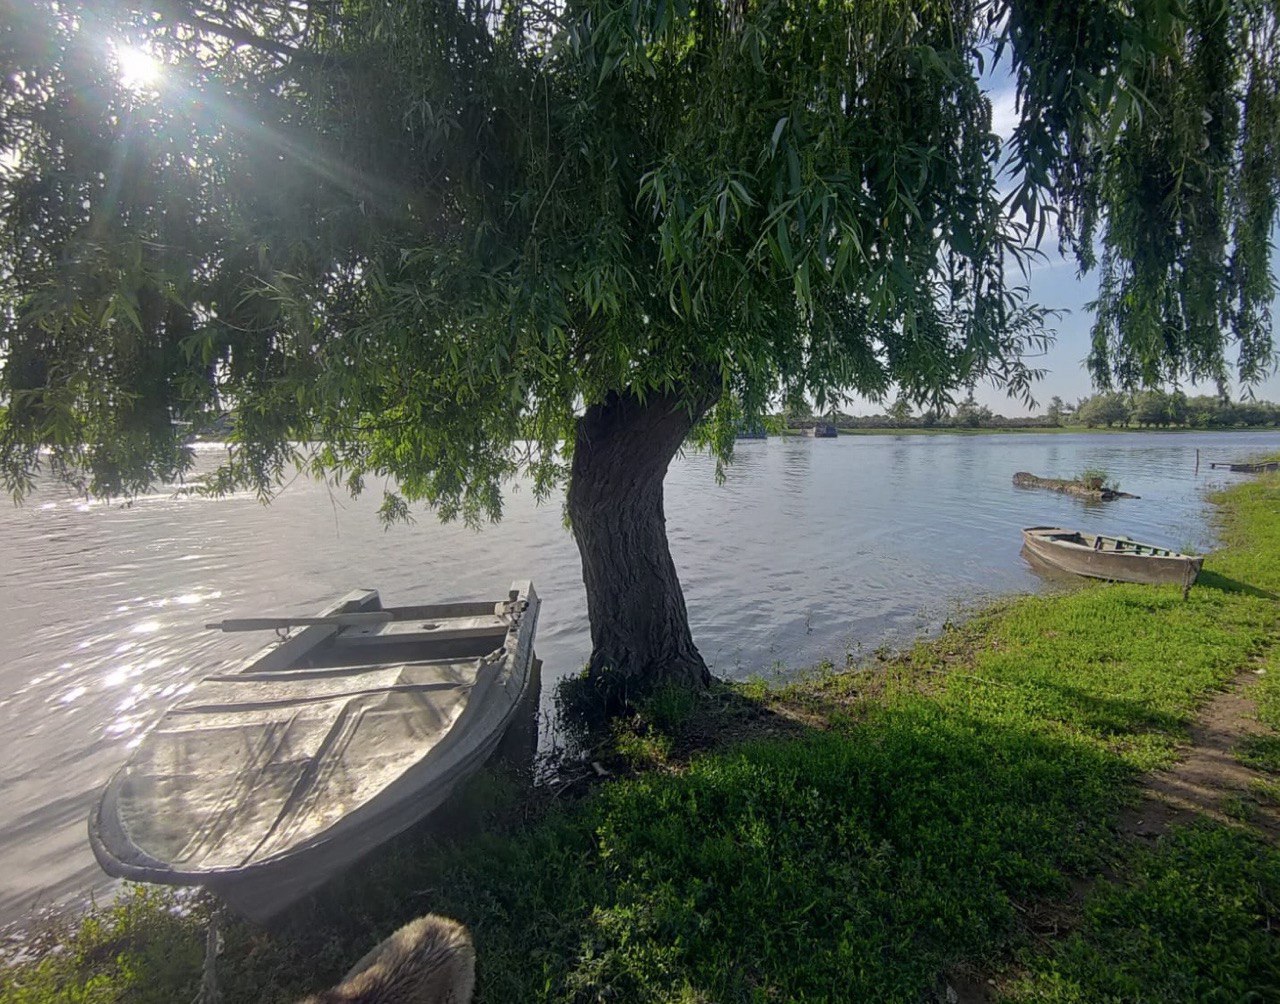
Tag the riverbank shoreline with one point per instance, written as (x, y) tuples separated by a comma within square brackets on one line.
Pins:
[(886, 832), (1055, 430)]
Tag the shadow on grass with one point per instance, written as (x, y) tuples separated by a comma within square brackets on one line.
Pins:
[(1109, 716), (848, 864), (802, 861), (1212, 580), (1193, 922)]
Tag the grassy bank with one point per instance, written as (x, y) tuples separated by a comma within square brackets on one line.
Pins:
[(871, 835)]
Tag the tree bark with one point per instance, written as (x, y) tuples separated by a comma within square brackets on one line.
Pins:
[(639, 625)]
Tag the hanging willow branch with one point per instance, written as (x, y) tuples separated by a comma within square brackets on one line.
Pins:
[(416, 233)]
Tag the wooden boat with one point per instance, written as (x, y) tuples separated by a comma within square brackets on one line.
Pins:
[(824, 430), (1116, 558), (1263, 468), (263, 782)]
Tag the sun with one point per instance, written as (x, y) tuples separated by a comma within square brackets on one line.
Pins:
[(138, 70)]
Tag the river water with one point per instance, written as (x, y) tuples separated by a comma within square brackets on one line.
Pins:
[(812, 550)]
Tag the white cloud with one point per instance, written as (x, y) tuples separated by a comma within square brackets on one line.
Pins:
[(1004, 111)]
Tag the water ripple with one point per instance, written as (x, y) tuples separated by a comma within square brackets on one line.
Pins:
[(814, 549)]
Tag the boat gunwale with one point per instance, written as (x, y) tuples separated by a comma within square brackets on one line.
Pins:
[(1057, 542), (144, 867), (1060, 553)]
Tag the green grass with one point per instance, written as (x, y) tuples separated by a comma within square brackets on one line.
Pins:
[(1194, 920), (145, 947), (669, 707), (852, 837), (1267, 693), (1265, 791), (1262, 752)]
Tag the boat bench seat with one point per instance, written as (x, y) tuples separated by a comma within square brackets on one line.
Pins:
[(258, 691), (444, 629)]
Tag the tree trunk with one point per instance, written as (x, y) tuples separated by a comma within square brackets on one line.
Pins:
[(639, 626)]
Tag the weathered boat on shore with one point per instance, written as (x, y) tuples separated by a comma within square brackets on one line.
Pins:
[(1266, 467), (1118, 559), (264, 782)]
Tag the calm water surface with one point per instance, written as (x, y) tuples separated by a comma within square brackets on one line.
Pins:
[(813, 549)]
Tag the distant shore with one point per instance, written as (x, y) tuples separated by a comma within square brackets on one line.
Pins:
[(947, 430)]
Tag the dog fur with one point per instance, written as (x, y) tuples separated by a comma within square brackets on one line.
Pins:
[(428, 961)]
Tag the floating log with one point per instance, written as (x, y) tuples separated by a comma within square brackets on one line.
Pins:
[(1024, 479)]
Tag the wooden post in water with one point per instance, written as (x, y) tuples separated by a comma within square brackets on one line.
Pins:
[(1197, 471)]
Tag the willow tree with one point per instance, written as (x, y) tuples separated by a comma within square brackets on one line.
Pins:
[(452, 242)]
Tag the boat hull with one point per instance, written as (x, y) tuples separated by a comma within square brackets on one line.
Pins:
[(1117, 560), (264, 783), (1267, 467)]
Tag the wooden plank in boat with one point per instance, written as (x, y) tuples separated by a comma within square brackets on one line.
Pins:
[(323, 672), (286, 653), (450, 629), (238, 692), (286, 623)]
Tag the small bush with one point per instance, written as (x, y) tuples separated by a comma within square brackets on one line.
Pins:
[(1098, 479)]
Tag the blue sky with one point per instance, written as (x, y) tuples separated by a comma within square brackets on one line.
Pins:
[(1054, 284)]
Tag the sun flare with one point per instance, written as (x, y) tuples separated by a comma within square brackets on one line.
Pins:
[(138, 70)]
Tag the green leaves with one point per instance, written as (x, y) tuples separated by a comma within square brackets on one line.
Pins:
[(777, 133), (424, 235), (1136, 123)]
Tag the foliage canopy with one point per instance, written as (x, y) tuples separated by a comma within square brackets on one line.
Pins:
[(417, 233)]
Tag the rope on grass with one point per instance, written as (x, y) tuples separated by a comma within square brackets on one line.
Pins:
[(968, 676), (210, 992)]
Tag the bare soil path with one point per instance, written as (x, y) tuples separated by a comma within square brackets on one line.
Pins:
[(1207, 783)]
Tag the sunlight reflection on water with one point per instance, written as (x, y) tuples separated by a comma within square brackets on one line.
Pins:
[(813, 549)]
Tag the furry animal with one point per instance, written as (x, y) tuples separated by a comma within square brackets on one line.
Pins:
[(428, 961)]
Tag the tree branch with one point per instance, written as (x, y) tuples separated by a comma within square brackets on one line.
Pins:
[(188, 17)]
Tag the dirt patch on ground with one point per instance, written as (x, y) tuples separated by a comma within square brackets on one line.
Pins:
[(1209, 782)]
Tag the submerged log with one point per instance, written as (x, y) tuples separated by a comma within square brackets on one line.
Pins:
[(1023, 479)]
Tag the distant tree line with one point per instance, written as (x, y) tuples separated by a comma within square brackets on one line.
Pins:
[(1161, 409), (1144, 409)]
